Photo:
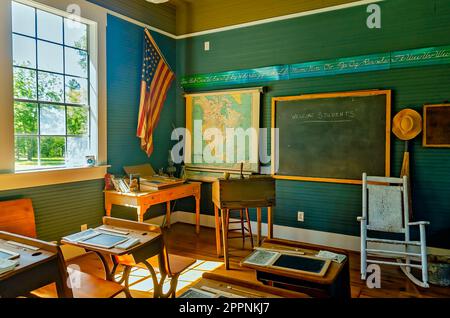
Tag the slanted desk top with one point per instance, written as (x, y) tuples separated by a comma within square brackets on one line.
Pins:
[(308, 250), (143, 232), (28, 258)]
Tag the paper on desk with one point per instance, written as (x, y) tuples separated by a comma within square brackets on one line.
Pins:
[(338, 258), (79, 236)]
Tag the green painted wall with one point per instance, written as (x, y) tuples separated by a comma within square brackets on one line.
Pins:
[(124, 66), (62, 209), (406, 24)]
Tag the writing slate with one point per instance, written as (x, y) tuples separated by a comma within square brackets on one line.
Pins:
[(437, 125), (333, 137), (300, 263)]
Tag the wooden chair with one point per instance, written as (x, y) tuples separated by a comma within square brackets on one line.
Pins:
[(386, 209), (17, 216), (82, 286)]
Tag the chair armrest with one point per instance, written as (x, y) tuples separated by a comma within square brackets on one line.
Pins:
[(419, 223), (361, 218)]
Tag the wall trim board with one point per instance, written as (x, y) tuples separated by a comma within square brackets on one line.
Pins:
[(280, 18), (345, 65), (347, 242), (242, 25)]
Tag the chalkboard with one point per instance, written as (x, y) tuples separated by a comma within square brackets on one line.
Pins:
[(437, 125), (332, 137)]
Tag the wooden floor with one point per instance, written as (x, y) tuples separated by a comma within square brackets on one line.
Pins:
[(182, 240)]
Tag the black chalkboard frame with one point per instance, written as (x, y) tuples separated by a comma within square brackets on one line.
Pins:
[(275, 100), (427, 131)]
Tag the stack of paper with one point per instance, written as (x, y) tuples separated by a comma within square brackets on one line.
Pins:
[(338, 258)]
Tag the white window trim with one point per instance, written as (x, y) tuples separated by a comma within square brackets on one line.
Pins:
[(96, 18)]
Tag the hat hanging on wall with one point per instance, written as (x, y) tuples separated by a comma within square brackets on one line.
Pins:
[(407, 124)]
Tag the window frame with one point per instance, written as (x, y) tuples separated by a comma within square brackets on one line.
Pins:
[(64, 103)]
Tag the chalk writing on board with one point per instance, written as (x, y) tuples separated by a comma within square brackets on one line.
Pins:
[(325, 117)]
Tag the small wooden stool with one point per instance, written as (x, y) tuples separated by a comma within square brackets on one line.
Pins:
[(243, 229)]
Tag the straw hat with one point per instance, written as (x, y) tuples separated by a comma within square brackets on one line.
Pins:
[(407, 124)]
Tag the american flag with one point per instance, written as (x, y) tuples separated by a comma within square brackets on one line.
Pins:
[(156, 79)]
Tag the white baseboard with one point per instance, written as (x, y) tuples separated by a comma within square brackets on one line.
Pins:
[(347, 242)]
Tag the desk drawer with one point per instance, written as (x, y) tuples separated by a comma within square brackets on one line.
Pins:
[(176, 194), (154, 198)]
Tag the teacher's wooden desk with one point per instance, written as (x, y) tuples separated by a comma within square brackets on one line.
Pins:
[(142, 201)]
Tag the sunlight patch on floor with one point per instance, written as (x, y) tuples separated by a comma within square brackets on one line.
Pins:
[(140, 278)]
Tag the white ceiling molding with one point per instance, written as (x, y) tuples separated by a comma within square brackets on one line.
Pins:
[(248, 24)]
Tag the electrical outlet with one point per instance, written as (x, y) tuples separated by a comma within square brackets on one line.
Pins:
[(207, 46), (301, 216), (84, 227)]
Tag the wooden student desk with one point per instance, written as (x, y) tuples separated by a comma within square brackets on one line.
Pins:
[(142, 201), (151, 244), (36, 269), (335, 283), (237, 194), (244, 288)]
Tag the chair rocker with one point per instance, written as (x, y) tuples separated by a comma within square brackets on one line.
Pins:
[(385, 203)]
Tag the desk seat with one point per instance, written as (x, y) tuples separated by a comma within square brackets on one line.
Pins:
[(90, 287), (179, 264)]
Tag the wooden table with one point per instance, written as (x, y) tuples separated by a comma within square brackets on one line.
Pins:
[(335, 283), (237, 194), (36, 269), (142, 201), (151, 244)]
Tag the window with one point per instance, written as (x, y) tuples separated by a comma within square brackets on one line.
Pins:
[(52, 112)]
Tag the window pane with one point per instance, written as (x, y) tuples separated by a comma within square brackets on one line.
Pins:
[(75, 34), (24, 51), (50, 57), (53, 120), (51, 87), (53, 151), (76, 62), (24, 83), (77, 150), (25, 118), (26, 153), (49, 27), (76, 90), (77, 120), (23, 19)]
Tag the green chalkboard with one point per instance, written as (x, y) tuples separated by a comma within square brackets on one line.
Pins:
[(332, 137)]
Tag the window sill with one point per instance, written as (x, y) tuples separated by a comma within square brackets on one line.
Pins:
[(31, 179)]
